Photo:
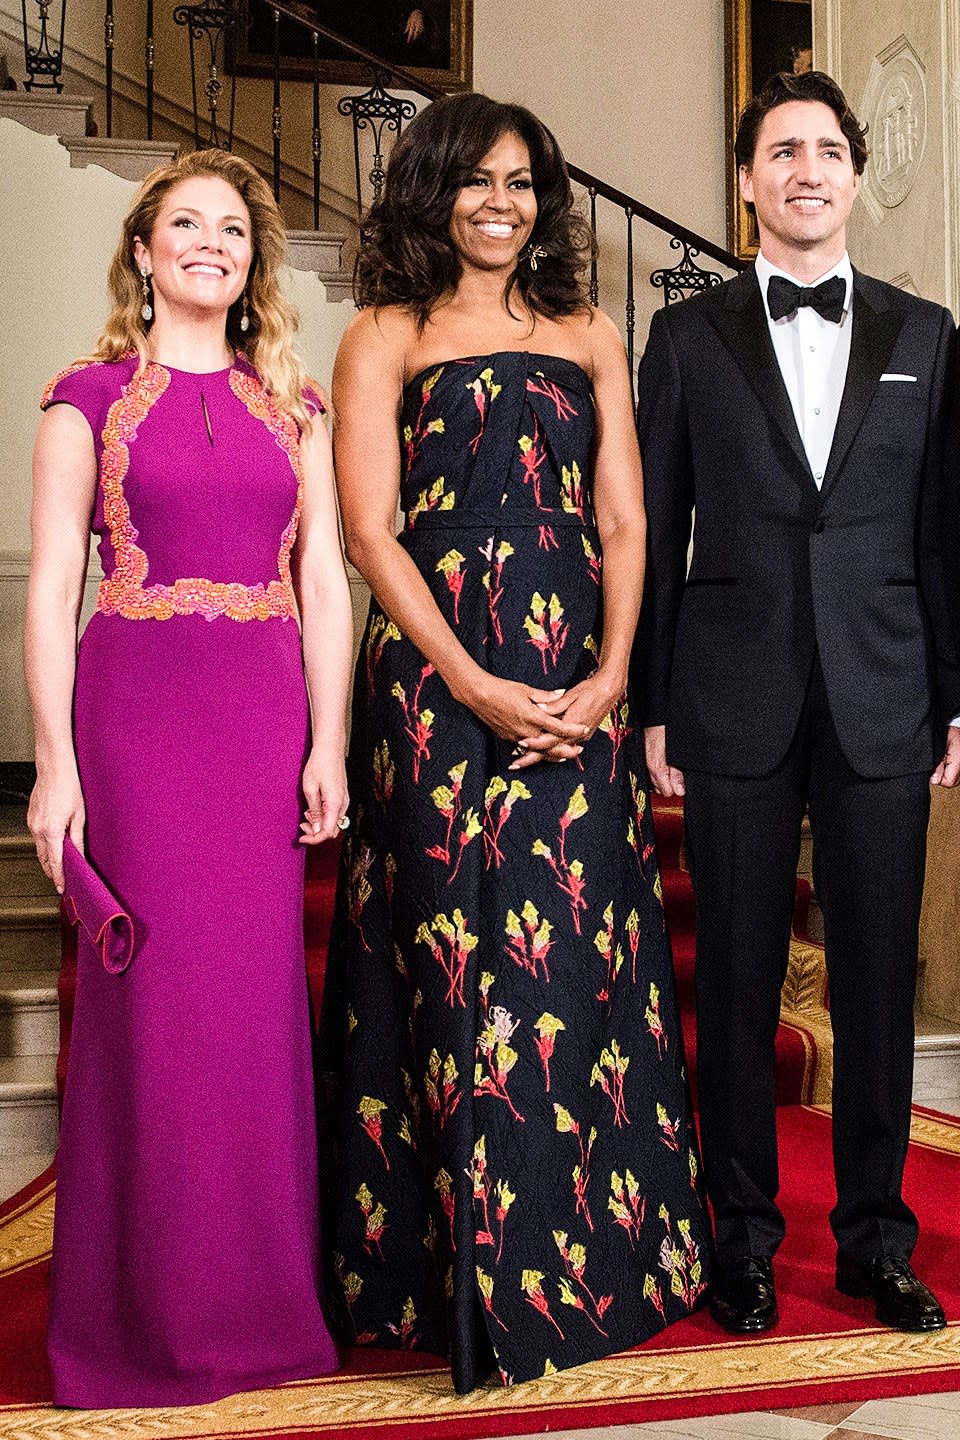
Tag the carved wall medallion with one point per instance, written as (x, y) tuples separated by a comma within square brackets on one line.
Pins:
[(895, 104)]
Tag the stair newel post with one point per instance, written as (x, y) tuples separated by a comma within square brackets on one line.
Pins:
[(148, 56), (108, 33), (594, 272), (315, 135), (631, 308), (276, 106)]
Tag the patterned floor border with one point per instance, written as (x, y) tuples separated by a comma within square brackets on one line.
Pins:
[(735, 1372)]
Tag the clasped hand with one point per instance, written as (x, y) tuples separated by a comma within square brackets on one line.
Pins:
[(548, 725)]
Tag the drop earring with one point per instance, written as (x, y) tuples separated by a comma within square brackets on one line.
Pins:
[(533, 253), (146, 309), (244, 318)]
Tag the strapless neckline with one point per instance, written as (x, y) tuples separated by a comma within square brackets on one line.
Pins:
[(493, 355)]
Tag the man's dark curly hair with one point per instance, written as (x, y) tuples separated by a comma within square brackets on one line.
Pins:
[(407, 257), (780, 90)]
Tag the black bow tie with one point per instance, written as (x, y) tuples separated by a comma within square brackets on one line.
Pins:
[(784, 297)]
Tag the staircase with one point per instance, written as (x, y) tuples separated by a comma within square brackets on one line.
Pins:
[(70, 118), (29, 1021)]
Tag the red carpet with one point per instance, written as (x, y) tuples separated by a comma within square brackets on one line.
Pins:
[(825, 1348)]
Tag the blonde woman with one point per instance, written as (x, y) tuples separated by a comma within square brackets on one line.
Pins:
[(185, 747)]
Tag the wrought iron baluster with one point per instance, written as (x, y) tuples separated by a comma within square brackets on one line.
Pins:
[(686, 277), (381, 113), (594, 272), (210, 21), (276, 106), (39, 59), (108, 34), (315, 136), (148, 58), (631, 309)]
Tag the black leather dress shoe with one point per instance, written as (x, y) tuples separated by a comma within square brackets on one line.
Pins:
[(902, 1301), (744, 1300)]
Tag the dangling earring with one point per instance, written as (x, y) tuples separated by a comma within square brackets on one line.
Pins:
[(533, 253), (146, 309), (244, 318)]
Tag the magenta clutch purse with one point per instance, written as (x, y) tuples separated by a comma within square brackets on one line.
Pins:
[(89, 904)]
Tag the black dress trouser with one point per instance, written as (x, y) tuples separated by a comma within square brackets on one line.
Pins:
[(743, 843)]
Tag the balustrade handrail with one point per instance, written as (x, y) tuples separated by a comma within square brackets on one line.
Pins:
[(698, 243), (213, 25), (653, 217)]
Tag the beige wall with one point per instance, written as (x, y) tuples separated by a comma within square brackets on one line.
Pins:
[(634, 92)]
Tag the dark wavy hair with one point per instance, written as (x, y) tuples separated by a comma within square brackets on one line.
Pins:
[(407, 257), (780, 90)]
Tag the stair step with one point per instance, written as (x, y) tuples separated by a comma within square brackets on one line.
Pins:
[(322, 252), (936, 1060), (20, 875), (29, 1013), (30, 934), (16, 1172), (130, 159), (28, 1105), (48, 114)]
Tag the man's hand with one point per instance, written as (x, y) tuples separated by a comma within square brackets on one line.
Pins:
[(947, 772), (667, 779)]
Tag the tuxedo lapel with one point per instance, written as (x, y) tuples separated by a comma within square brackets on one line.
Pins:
[(742, 326), (875, 329)]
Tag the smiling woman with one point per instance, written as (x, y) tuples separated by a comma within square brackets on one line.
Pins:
[(182, 747), (500, 1016)]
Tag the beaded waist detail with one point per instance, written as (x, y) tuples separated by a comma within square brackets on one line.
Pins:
[(209, 598)]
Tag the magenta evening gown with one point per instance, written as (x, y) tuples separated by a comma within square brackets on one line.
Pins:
[(185, 1257)]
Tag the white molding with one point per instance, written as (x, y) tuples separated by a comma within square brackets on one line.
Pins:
[(126, 87), (826, 37), (15, 565)]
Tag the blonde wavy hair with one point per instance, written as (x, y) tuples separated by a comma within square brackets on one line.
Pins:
[(267, 343)]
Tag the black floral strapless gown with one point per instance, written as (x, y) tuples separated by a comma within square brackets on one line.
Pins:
[(517, 1181)]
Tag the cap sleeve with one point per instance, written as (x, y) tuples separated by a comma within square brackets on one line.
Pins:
[(314, 399), (90, 386)]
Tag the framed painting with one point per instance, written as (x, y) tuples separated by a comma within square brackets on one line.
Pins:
[(762, 37), (433, 39)]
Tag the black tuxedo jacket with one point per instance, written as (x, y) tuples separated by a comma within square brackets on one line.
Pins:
[(782, 570)]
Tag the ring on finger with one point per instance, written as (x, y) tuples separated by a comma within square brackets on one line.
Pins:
[(344, 822)]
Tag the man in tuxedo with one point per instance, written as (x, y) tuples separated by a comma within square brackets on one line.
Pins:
[(804, 662)]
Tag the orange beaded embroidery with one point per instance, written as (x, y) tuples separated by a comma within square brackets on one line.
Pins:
[(65, 374), (123, 592)]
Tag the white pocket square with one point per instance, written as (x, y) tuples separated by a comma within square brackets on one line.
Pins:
[(910, 379)]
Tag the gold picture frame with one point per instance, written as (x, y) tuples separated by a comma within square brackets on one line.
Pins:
[(442, 58), (762, 36)]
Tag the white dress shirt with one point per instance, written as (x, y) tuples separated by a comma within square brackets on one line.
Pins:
[(813, 355)]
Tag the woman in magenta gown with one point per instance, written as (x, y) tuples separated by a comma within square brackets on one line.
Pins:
[(185, 748)]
